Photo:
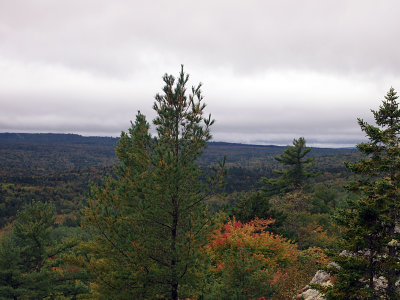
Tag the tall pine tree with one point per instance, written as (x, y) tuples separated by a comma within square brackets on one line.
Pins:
[(149, 223), (296, 172), (371, 219)]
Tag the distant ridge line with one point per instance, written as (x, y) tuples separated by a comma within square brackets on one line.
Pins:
[(77, 139), (244, 145), (73, 138), (56, 138)]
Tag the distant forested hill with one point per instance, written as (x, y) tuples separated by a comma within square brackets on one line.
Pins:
[(94, 151), (59, 167), (56, 138)]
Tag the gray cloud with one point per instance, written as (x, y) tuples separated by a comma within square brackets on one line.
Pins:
[(121, 36), (272, 70)]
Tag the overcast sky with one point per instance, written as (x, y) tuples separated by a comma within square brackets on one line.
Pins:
[(271, 70)]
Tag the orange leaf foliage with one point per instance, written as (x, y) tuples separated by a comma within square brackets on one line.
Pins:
[(262, 263)]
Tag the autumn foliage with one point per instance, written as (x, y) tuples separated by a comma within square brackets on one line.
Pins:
[(248, 262)]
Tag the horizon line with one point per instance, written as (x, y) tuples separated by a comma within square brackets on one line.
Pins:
[(328, 145)]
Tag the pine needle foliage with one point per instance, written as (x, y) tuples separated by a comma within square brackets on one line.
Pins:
[(31, 266), (370, 221), (149, 222), (295, 172)]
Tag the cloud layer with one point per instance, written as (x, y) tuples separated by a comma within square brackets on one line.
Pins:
[(272, 70)]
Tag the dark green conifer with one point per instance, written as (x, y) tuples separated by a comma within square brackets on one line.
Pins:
[(296, 167), (148, 224), (370, 220), (257, 205), (30, 264)]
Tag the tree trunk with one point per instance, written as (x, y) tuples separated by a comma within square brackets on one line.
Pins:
[(391, 272), (174, 291), (174, 275)]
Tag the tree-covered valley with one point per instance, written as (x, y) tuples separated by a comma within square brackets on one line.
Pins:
[(59, 168)]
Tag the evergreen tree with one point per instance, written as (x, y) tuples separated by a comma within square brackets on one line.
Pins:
[(30, 265), (257, 205), (370, 220), (323, 199), (149, 223), (11, 283), (296, 173)]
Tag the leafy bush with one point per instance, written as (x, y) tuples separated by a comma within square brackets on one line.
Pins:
[(248, 262)]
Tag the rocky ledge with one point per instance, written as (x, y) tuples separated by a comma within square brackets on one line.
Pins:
[(308, 293)]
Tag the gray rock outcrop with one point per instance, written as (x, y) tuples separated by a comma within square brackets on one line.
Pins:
[(308, 293)]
